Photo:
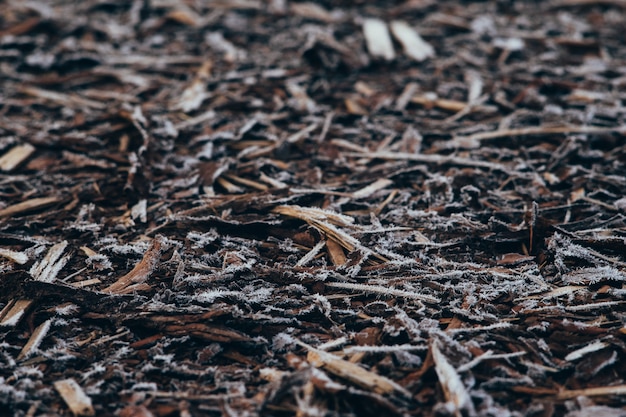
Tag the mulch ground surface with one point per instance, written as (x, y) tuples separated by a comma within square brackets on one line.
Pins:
[(333, 208)]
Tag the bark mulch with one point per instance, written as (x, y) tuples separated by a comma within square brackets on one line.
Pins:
[(339, 208)]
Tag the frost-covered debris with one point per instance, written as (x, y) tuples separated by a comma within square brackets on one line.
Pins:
[(205, 216)]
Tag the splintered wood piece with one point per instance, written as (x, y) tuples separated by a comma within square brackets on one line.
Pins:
[(313, 213), (335, 252), (414, 46), (475, 86), (14, 157), (21, 27), (208, 332), (193, 96), (325, 221), (141, 272), (407, 95), (17, 257), (430, 100), (28, 206), (474, 141), (69, 100), (352, 372), (302, 134), (86, 283), (81, 161), (592, 392), (13, 312), (77, 401), (135, 411), (229, 186), (585, 350), (367, 191), (435, 159), (139, 211), (301, 99), (379, 289), (311, 11), (48, 268), (185, 16), (247, 182), (35, 339), (378, 40), (451, 383), (310, 255)]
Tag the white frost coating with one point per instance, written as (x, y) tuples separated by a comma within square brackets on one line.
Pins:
[(483, 25), (378, 40), (414, 46), (139, 211), (591, 347), (379, 289), (510, 44), (378, 349)]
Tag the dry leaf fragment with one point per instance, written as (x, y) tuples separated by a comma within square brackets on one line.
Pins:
[(378, 40), (75, 398), (414, 46)]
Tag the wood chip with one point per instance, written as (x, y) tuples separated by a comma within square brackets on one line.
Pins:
[(28, 206), (13, 312), (49, 267), (592, 392), (15, 156), (141, 272), (378, 39), (335, 253), (353, 373), (35, 339), (585, 350), (451, 382), (75, 398), (414, 46), (17, 257)]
